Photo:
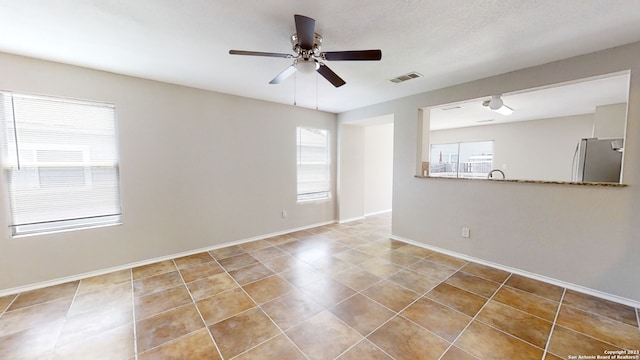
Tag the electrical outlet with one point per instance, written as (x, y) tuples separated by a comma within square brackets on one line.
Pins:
[(284, 214), (466, 233)]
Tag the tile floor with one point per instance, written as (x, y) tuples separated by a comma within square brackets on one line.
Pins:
[(338, 291)]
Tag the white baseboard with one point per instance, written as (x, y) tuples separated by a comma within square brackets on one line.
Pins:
[(378, 212), (350, 219), (564, 284), (58, 281)]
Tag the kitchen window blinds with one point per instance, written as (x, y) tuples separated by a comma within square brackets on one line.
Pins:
[(60, 163)]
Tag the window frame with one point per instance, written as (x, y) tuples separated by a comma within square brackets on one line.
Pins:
[(324, 194), (13, 162)]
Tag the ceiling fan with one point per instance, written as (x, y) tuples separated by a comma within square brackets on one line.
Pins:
[(308, 57)]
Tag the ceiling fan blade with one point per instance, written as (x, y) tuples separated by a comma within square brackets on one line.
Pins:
[(355, 55), (332, 77), (305, 29), (283, 75), (259, 53)]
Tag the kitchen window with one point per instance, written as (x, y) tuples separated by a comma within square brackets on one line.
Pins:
[(461, 160), (313, 164), (60, 163)]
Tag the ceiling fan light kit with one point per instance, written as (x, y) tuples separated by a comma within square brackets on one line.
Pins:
[(306, 44), (496, 104)]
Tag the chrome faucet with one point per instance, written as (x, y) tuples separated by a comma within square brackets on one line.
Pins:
[(490, 174)]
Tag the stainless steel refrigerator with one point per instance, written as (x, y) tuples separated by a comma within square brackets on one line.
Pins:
[(598, 160)]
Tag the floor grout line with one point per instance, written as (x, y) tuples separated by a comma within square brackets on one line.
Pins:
[(135, 323), (193, 301)]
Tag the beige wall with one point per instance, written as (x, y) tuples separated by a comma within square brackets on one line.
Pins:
[(581, 235), (351, 172), (198, 169)]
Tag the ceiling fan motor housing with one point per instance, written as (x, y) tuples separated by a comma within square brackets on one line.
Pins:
[(307, 54)]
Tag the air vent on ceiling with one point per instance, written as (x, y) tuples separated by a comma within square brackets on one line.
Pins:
[(454, 107), (405, 77)]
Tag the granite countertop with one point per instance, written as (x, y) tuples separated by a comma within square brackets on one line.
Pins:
[(602, 184)]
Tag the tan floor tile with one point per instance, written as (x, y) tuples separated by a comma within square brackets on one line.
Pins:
[(32, 316), (549, 291), (520, 324), (565, 343), (352, 242), (385, 241), (474, 284), (226, 252), (268, 253), (88, 324), (527, 302), (268, 289), (327, 292), (291, 309), (403, 339), (364, 350), (455, 353), (331, 265), (28, 298), (437, 318), (391, 295), (293, 247), (400, 258), (456, 298), (356, 278), (486, 272), (380, 267), (602, 307), (599, 327), (302, 275), (113, 344), (280, 239), (323, 336), (115, 298), (251, 273), (484, 342), (361, 313), (280, 348), (415, 251), (432, 269), (550, 356), (447, 260), (242, 332), (197, 345), (5, 301), (154, 304), (211, 285), (101, 281), (237, 262), (151, 284), (224, 305), (170, 325), (153, 269), (414, 281), (282, 263), (31, 343), (199, 271), (373, 250), (255, 245), (301, 234), (191, 260), (353, 256)]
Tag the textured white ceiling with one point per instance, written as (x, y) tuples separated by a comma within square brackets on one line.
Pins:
[(187, 41)]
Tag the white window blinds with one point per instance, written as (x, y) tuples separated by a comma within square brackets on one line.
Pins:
[(60, 161), (313, 164)]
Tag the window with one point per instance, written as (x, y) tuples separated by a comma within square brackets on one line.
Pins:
[(313, 164), (60, 161), (464, 160)]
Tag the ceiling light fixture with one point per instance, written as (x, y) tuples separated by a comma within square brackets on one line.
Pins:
[(496, 104)]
